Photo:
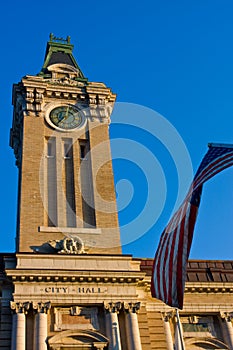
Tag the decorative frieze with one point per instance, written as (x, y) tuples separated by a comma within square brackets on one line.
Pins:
[(71, 278), (37, 90)]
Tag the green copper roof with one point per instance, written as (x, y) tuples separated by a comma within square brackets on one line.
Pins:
[(59, 50)]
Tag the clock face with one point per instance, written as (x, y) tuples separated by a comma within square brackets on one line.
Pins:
[(66, 117)]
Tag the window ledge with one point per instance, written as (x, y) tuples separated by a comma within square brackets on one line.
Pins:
[(76, 230)]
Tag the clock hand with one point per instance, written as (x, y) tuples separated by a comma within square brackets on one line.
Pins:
[(60, 116), (67, 111)]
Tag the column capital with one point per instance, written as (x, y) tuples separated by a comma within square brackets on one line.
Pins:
[(132, 307), (167, 316), (113, 307), (19, 307), (41, 308), (228, 316)]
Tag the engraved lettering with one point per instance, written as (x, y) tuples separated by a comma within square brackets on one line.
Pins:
[(67, 290)]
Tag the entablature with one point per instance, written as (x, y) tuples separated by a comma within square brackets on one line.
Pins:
[(71, 277), (36, 90)]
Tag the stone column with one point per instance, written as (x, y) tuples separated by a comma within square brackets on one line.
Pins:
[(227, 329), (132, 329), (18, 339), (112, 325), (40, 325), (167, 330)]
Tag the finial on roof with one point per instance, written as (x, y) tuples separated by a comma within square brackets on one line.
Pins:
[(60, 40), (59, 51)]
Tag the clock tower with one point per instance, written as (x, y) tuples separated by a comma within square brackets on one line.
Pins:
[(68, 286), (60, 139)]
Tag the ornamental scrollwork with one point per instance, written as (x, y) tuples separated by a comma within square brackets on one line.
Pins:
[(113, 307), (20, 307), (132, 307), (68, 245)]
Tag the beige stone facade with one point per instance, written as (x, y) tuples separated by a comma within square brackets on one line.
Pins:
[(68, 286), (104, 302), (43, 212)]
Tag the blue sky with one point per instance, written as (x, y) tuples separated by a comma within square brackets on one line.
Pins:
[(174, 57)]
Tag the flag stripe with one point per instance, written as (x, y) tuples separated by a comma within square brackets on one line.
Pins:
[(170, 255), (163, 242), (215, 171), (181, 257), (214, 168), (170, 263), (170, 258), (176, 256)]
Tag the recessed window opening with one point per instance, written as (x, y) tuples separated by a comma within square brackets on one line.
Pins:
[(51, 180), (67, 150), (68, 183), (83, 151), (51, 148)]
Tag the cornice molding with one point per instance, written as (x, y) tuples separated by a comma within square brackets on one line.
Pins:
[(209, 287), (110, 277)]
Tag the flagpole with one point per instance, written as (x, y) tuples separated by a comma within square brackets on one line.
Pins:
[(224, 145), (180, 330)]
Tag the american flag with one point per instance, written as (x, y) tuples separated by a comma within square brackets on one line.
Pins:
[(170, 262)]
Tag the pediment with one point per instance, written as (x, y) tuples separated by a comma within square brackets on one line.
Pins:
[(59, 70), (204, 343), (78, 339)]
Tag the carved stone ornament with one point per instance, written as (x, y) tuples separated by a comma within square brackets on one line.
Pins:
[(65, 81), (113, 307), (72, 245), (228, 316), (68, 245), (19, 307), (41, 307), (132, 307), (167, 316), (64, 74)]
